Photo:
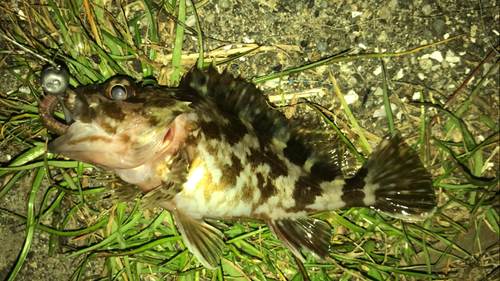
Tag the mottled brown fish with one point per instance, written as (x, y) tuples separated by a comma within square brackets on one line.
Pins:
[(212, 148)]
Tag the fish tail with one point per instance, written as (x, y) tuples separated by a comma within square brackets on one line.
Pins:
[(393, 181)]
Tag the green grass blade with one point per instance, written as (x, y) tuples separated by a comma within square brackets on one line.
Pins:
[(31, 225)]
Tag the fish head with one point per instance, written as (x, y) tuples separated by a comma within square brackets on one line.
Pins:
[(119, 125)]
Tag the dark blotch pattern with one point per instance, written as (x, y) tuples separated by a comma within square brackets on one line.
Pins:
[(235, 96), (324, 171), (87, 116), (163, 103), (125, 138), (258, 157), (234, 171), (216, 129), (267, 189), (138, 100), (353, 190), (114, 111), (296, 152), (89, 139), (211, 130), (154, 121), (305, 192), (353, 198)]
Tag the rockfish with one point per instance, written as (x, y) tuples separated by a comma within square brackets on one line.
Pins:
[(213, 148)]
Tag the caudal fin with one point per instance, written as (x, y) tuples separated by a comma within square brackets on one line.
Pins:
[(394, 181)]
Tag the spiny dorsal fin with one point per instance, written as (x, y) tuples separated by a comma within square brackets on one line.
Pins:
[(242, 98), (238, 96)]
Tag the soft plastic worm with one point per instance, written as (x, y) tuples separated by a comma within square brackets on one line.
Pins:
[(46, 111)]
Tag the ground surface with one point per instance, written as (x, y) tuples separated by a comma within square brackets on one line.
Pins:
[(297, 33)]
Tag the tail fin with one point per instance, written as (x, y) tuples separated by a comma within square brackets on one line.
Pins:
[(395, 182)]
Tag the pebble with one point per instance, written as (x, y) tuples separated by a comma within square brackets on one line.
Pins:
[(425, 64), (322, 46), (437, 56)]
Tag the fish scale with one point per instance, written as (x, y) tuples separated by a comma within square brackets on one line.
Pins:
[(213, 148)]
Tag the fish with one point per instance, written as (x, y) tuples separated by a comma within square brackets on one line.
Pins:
[(213, 148)]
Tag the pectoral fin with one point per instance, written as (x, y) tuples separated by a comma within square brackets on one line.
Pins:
[(310, 234), (175, 179), (203, 240)]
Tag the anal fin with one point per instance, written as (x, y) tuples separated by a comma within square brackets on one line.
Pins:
[(310, 234), (203, 240)]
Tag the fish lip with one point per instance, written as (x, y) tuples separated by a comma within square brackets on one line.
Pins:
[(46, 112)]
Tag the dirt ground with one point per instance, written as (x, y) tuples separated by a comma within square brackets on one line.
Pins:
[(297, 33)]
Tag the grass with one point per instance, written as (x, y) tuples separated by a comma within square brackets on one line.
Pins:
[(131, 243)]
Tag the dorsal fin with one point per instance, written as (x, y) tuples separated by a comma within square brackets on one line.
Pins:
[(242, 98), (238, 96)]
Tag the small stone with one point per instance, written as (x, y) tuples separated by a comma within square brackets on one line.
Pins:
[(382, 37), (351, 97), (438, 26), (356, 14), (400, 74), (473, 31), (321, 69), (385, 13), (224, 4), (381, 111), (437, 56), (450, 57), (209, 18), (426, 10), (322, 46), (425, 64), (393, 4), (25, 89), (352, 82), (190, 20)]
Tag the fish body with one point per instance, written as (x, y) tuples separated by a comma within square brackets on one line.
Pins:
[(213, 148)]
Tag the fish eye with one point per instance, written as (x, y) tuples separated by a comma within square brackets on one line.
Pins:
[(120, 88), (118, 92)]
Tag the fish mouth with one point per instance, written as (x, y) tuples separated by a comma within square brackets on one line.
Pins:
[(46, 111)]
